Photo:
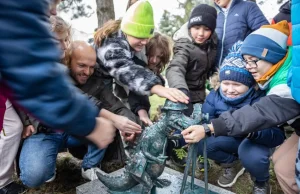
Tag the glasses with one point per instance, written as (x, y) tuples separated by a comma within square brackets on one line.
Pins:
[(252, 63)]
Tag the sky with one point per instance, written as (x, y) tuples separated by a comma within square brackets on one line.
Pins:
[(87, 25)]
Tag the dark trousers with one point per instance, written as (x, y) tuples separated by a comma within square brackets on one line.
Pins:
[(253, 154)]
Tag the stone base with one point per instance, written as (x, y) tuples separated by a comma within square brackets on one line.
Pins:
[(96, 187)]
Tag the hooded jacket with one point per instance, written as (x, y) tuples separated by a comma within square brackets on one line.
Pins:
[(115, 58), (191, 63), (215, 104), (242, 18), (30, 72)]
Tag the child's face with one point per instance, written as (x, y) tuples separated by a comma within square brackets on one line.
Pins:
[(222, 3), (63, 39), (137, 43), (154, 59), (232, 89), (257, 67), (200, 33)]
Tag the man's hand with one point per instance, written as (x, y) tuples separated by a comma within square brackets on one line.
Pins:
[(28, 131), (172, 94), (103, 133), (125, 125), (193, 134)]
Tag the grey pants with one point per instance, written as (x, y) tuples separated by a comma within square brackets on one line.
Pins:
[(9, 144)]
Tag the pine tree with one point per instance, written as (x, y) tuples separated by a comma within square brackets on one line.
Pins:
[(170, 23)]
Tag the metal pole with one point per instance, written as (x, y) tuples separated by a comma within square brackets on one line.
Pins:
[(194, 159), (205, 165), (186, 169)]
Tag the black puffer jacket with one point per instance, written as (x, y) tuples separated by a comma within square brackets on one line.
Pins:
[(96, 88), (191, 64)]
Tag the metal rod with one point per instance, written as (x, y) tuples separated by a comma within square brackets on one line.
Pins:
[(186, 170), (194, 159), (205, 165)]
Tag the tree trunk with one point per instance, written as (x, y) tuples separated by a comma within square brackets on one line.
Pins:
[(130, 2), (105, 11)]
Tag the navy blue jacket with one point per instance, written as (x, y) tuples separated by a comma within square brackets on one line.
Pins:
[(29, 70), (242, 18), (215, 104)]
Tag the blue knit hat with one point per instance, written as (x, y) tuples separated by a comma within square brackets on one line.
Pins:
[(233, 67), (268, 42)]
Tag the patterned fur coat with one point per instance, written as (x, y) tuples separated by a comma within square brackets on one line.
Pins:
[(115, 59)]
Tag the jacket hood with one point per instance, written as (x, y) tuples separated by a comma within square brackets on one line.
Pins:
[(285, 8), (183, 33)]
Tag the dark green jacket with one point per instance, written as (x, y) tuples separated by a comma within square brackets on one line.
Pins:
[(191, 64)]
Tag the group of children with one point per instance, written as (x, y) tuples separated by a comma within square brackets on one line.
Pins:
[(130, 56)]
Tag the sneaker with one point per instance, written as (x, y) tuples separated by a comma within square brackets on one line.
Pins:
[(262, 188), (52, 178), (13, 188), (179, 157), (90, 173), (200, 163), (231, 172)]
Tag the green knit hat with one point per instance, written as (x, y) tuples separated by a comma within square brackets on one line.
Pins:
[(138, 20)]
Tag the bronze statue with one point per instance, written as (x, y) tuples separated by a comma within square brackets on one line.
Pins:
[(148, 158)]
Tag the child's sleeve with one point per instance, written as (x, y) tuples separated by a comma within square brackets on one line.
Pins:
[(208, 106), (138, 102), (177, 68)]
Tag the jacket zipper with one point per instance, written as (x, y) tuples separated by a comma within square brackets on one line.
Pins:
[(223, 38)]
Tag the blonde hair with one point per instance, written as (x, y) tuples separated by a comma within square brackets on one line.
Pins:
[(164, 43), (60, 26), (110, 27)]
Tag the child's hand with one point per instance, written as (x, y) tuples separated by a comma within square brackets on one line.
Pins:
[(128, 137), (28, 131), (125, 125), (172, 94), (144, 117), (193, 134)]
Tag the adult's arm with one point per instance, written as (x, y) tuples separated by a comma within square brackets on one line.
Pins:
[(29, 70), (269, 111)]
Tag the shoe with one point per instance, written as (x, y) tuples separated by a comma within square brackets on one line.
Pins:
[(200, 163), (52, 178), (231, 172), (13, 188), (262, 188), (179, 157), (90, 173)]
